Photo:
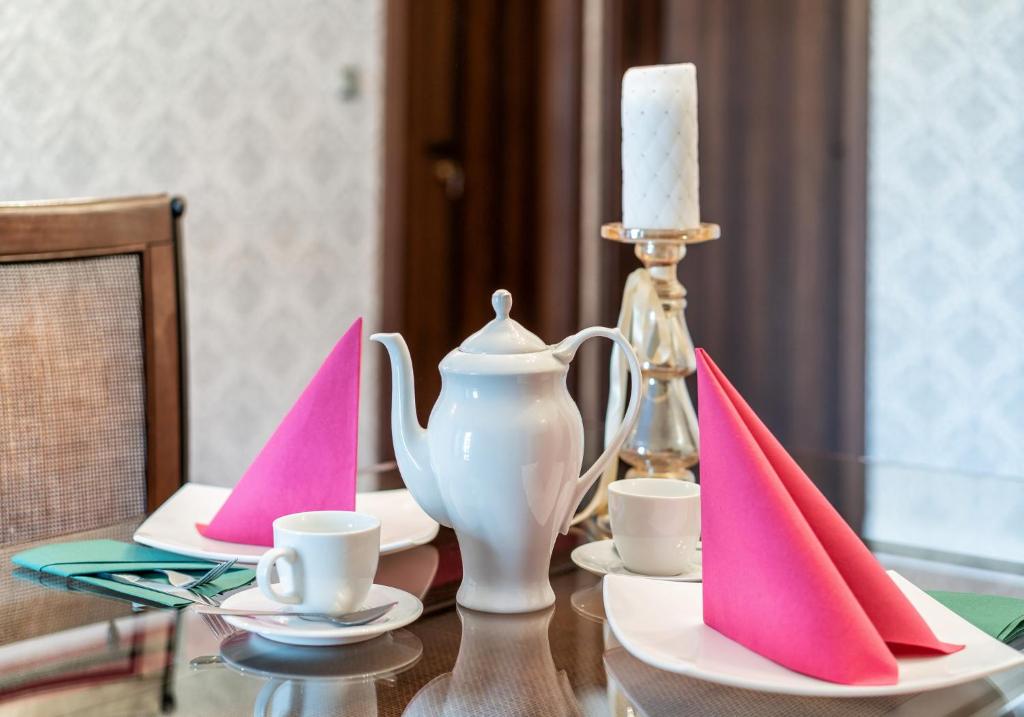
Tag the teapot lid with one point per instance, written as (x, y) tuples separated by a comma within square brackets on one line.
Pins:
[(502, 335)]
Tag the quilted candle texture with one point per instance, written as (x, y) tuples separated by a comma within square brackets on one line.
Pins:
[(659, 147)]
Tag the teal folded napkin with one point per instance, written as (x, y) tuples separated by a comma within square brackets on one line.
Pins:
[(83, 559), (996, 615)]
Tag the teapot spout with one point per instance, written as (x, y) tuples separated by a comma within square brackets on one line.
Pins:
[(410, 439)]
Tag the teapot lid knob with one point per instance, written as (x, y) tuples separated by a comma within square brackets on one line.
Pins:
[(501, 300), (502, 335)]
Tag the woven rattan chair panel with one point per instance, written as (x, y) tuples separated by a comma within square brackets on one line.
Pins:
[(72, 396)]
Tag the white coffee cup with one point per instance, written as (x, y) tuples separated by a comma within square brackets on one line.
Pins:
[(655, 524), (326, 560)]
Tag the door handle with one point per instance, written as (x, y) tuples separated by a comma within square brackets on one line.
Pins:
[(449, 173)]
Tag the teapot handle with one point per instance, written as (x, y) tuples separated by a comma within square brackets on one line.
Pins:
[(565, 351)]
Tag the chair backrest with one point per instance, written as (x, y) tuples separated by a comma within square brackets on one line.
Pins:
[(92, 407)]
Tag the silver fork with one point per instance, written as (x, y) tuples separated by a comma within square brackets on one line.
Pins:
[(205, 599), (135, 579), (187, 582), (221, 630), (217, 625)]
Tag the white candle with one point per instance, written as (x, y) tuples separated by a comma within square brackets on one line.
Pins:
[(659, 147)]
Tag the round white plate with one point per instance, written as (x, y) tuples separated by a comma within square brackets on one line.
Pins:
[(601, 558), (662, 624), (296, 631), (403, 524), (386, 655)]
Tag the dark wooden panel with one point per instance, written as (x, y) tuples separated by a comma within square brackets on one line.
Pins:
[(520, 124), (853, 225), (778, 301), (631, 37), (423, 265)]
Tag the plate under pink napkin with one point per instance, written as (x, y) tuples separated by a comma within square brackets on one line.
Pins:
[(310, 461), (784, 574)]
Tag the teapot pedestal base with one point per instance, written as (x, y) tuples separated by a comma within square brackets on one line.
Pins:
[(505, 599)]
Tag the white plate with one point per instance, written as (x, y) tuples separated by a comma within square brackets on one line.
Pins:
[(661, 623), (296, 631), (403, 524), (601, 558)]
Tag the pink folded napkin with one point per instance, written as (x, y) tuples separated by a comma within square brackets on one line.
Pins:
[(784, 574), (310, 461)]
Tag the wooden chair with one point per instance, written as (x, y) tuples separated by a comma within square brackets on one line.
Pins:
[(92, 386)]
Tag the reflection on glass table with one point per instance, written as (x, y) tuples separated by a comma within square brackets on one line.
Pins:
[(504, 666), (66, 651), (316, 680)]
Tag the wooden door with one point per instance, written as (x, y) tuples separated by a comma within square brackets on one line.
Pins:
[(482, 182)]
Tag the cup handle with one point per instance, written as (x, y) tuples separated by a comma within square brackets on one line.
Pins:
[(288, 596), (565, 352), (265, 699)]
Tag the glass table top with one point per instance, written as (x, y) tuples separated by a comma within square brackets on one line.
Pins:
[(67, 651)]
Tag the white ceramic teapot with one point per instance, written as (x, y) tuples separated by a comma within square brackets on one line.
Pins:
[(499, 461)]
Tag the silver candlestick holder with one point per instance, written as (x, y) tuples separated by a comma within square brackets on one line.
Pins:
[(664, 443)]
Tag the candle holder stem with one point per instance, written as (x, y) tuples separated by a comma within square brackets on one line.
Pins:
[(664, 442)]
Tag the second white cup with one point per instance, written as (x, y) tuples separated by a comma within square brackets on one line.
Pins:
[(655, 524), (326, 560)]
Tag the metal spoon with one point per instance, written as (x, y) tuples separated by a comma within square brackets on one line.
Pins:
[(349, 619)]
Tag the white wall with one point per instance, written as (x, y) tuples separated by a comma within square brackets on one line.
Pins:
[(236, 106), (946, 235), (946, 277)]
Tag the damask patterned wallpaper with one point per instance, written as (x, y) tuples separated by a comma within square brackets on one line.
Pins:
[(946, 225), (237, 106)]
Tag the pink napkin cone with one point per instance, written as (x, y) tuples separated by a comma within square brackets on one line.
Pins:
[(784, 574), (310, 461)]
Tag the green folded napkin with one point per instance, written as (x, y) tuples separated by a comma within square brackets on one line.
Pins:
[(999, 616), (83, 559)]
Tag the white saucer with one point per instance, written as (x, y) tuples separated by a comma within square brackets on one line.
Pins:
[(387, 655), (662, 624), (601, 558), (296, 631), (403, 524)]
